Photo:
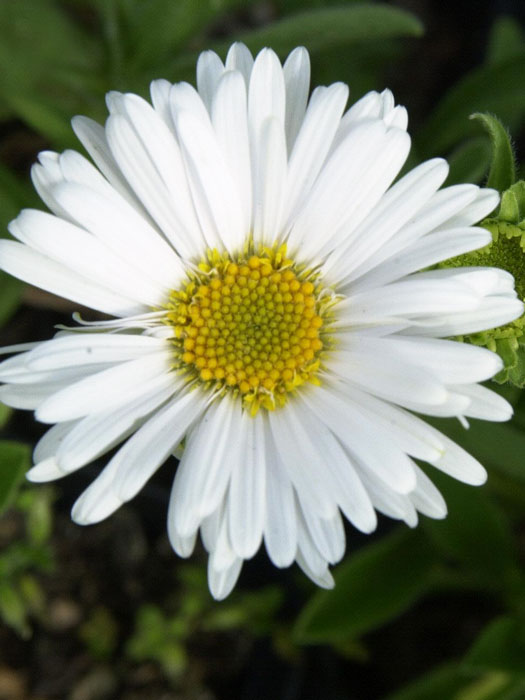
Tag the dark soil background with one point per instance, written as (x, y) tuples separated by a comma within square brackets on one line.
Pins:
[(102, 576)]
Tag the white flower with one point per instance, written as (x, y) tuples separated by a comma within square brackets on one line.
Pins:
[(270, 316)]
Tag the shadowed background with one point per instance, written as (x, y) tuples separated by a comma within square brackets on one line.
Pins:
[(109, 611)]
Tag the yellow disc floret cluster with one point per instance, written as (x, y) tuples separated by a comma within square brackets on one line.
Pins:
[(252, 325)]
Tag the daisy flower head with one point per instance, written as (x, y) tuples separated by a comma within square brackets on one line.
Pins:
[(270, 319)]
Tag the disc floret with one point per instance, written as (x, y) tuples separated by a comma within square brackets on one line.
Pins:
[(253, 325)]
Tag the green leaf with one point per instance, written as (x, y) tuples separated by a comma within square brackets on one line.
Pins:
[(159, 28), (500, 647), (502, 172), (13, 609), (515, 373), (363, 67), (44, 116), (45, 62), (507, 40), (454, 681), (321, 30), (499, 89), (5, 414), (375, 585), (99, 633), (512, 208), (37, 36), (492, 686), (334, 26), (440, 683), (475, 533), (15, 460), (469, 162)]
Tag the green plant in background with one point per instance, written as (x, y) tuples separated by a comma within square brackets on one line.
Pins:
[(506, 251), (164, 638), (99, 633), (23, 559), (123, 44)]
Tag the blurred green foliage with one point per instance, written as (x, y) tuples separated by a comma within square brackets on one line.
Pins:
[(164, 638), (502, 173), (25, 558), (99, 633), (58, 59)]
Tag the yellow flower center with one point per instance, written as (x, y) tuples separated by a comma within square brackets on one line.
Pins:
[(253, 325)]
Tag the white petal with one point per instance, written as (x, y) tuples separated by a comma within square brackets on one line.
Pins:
[(28, 397), (221, 583), (485, 404), (364, 165), (486, 201), (269, 181), (368, 107), (459, 464), (394, 505), (93, 137), (49, 443), (491, 313), (76, 249), (413, 297), (280, 528), (400, 204), (296, 71), (109, 388), (266, 93), (390, 377), (209, 71), (75, 168), (408, 432), (328, 536), (210, 525), (178, 220), (222, 556), (160, 98), (347, 489), (452, 362), (184, 546), (314, 560), (230, 121), (246, 495), (428, 251), (46, 470), (212, 450), (72, 350), (303, 460), (239, 58), (397, 117), (217, 200), (45, 175), (123, 230), (96, 434), (430, 217), (149, 157), (313, 142), (138, 459), (324, 580), (426, 497), (15, 370), (359, 437), (184, 98), (31, 266)]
